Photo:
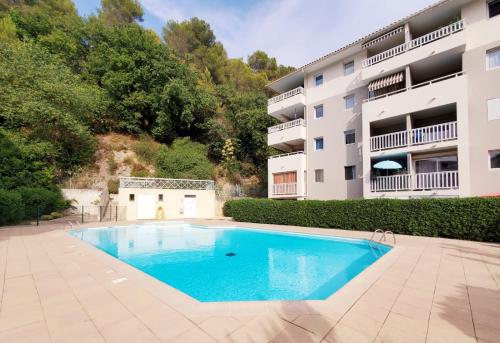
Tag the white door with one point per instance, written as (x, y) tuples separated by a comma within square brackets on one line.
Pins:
[(190, 206), (146, 206)]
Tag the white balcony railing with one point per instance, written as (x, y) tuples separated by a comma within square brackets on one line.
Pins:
[(418, 85), (285, 188), (415, 43), (415, 182), (288, 154), (287, 125), (283, 96), (422, 135)]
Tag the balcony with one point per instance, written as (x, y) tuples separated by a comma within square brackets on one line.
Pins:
[(286, 175), (284, 189), (287, 135), (419, 85), (288, 105), (418, 136), (415, 43), (449, 89), (415, 182)]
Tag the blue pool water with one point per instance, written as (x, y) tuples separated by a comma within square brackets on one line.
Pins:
[(235, 264)]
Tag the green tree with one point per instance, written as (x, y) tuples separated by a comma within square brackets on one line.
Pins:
[(194, 41), (151, 90), (46, 100), (120, 12), (184, 159), (24, 162)]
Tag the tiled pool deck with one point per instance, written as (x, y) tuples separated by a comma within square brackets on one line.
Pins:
[(55, 288)]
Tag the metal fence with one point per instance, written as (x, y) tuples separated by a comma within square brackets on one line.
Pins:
[(89, 214)]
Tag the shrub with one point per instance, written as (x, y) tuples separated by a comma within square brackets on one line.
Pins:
[(465, 218), (46, 217), (56, 215), (41, 201), (112, 165), (113, 186), (184, 160), (146, 149), (11, 207), (138, 170)]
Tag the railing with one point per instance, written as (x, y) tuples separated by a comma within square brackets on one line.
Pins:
[(391, 183), (285, 188), (418, 85), (287, 125), (415, 43), (146, 182), (415, 182), (287, 154), (283, 96), (422, 135), (437, 180)]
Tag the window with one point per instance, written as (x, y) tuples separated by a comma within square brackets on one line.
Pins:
[(318, 111), (160, 197), (437, 164), (494, 109), (350, 136), (349, 68), (349, 102), (350, 172), (319, 175), (131, 197), (493, 58), (318, 79), (494, 8), (318, 143), (494, 159)]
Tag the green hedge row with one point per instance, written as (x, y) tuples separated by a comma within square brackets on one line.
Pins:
[(26, 203), (464, 218)]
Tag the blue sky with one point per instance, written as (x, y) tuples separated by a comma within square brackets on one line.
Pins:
[(294, 31)]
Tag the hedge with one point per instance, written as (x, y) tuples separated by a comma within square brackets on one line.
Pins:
[(463, 218), (39, 201), (11, 207)]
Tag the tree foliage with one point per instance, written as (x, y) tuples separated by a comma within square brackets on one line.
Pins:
[(120, 12), (184, 159)]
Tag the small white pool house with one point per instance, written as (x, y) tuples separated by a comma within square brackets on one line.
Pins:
[(161, 199)]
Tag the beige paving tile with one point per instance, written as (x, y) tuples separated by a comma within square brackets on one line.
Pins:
[(362, 323), (220, 327), (128, 330), (32, 333), (193, 335), (246, 335), (399, 335), (487, 333), (19, 315), (293, 333), (318, 324), (164, 322), (344, 334), (397, 321)]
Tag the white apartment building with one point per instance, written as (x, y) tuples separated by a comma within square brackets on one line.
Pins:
[(422, 94)]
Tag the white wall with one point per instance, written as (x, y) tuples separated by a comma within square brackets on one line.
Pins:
[(173, 202)]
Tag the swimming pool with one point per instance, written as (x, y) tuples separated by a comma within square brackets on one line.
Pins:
[(237, 264)]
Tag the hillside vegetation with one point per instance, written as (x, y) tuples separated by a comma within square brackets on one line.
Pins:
[(66, 81)]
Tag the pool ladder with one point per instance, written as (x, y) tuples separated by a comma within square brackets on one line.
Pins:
[(383, 237)]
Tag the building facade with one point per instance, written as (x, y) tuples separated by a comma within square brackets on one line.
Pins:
[(420, 97)]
